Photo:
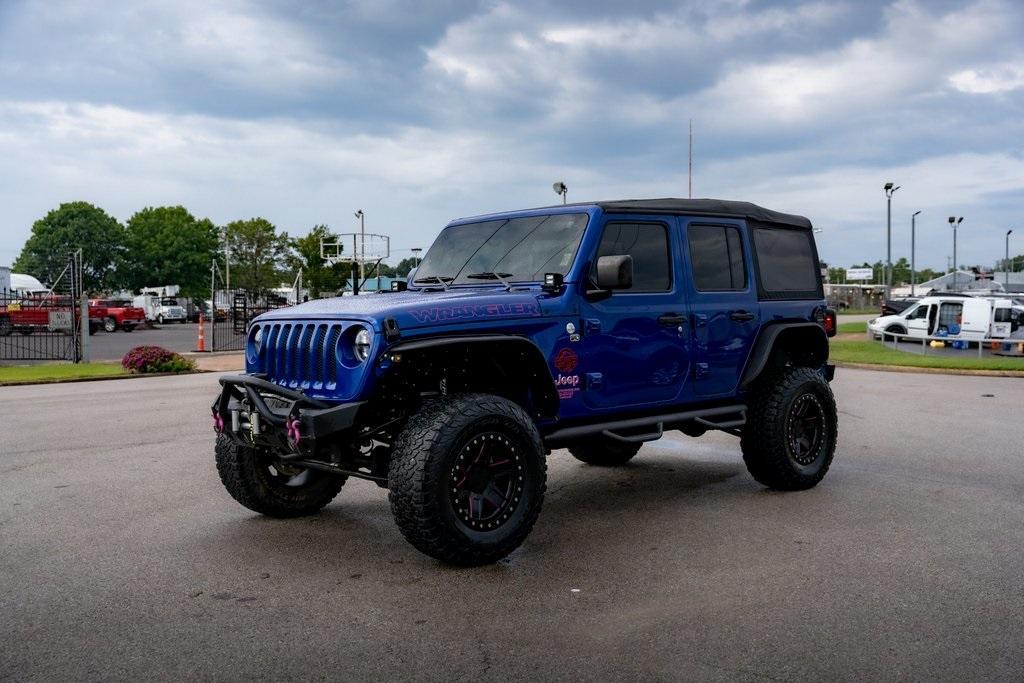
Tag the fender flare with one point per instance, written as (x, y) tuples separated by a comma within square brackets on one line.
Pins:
[(539, 372), (765, 344)]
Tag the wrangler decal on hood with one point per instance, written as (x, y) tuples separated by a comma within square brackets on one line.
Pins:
[(435, 314)]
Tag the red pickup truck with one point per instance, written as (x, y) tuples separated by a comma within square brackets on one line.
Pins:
[(42, 313), (116, 314)]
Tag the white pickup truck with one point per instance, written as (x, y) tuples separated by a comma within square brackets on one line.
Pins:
[(952, 317)]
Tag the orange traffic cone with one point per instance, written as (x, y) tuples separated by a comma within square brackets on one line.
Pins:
[(201, 342)]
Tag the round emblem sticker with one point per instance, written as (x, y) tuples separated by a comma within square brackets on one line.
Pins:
[(566, 360)]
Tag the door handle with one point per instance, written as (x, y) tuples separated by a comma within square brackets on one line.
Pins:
[(741, 316), (671, 320)]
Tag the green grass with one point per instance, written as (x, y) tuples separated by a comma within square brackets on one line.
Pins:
[(49, 372), (858, 311), (874, 353), (845, 328)]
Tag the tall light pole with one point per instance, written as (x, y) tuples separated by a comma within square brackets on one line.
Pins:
[(562, 189), (362, 241), (416, 256), (1006, 261), (913, 275), (955, 222), (889, 191)]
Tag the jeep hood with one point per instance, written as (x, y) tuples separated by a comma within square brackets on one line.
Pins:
[(414, 309)]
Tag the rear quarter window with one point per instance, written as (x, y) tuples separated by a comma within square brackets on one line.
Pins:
[(787, 264)]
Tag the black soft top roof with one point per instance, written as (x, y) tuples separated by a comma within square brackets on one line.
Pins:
[(705, 207)]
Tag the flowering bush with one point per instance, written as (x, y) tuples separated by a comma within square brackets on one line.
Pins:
[(144, 359)]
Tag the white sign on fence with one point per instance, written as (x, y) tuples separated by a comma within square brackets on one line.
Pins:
[(59, 321), (860, 273)]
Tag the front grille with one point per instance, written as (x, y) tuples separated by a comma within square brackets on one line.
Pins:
[(300, 355)]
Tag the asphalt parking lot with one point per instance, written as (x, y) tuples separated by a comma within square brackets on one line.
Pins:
[(122, 557)]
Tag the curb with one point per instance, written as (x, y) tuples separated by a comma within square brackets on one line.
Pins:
[(929, 371), (72, 380)]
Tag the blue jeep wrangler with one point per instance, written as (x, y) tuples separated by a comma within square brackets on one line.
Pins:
[(591, 327)]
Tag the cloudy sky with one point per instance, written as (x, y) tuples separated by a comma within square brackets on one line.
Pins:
[(419, 112)]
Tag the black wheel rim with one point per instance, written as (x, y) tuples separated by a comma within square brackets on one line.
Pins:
[(486, 481), (805, 428)]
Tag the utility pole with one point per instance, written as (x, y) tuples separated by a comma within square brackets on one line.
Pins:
[(913, 275), (889, 191)]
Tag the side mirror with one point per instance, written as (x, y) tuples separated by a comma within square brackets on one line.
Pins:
[(615, 272)]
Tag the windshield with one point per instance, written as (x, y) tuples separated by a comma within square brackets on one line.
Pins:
[(168, 301), (517, 250)]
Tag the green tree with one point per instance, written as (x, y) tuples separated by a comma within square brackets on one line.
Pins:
[(167, 245), (256, 251), (69, 227), (317, 275)]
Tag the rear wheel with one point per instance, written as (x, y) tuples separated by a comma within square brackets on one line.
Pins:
[(790, 436), (160, 319), (467, 478), (5, 326), (127, 327), (273, 488), (604, 451)]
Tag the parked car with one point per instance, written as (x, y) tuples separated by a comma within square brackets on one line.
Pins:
[(593, 327), (116, 314), (955, 317)]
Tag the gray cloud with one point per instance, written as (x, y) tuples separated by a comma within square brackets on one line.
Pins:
[(421, 112)]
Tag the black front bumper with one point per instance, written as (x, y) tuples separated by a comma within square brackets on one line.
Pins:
[(255, 412)]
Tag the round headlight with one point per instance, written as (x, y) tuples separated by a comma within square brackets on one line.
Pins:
[(361, 345), (257, 339)]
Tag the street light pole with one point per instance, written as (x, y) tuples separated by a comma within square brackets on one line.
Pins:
[(955, 223), (1006, 261), (362, 242), (889, 191), (913, 275)]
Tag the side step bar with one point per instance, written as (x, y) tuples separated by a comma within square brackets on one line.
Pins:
[(726, 418)]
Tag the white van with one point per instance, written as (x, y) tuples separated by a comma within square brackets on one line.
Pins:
[(955, 317)]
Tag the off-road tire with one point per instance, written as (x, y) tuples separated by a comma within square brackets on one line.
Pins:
[(109, 325), (604, 451), (420, 477), (246, 477), (766, 440)]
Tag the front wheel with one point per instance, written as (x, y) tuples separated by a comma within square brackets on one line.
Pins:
[(790, 436), (467, 478), (273, 488), (892, 331), (160, 320)]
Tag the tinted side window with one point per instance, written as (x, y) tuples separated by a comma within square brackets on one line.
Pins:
[(785, 259), (647, 243), (716, 253)]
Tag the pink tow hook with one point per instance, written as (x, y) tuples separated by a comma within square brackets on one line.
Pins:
[(294, 435), (218, 422)]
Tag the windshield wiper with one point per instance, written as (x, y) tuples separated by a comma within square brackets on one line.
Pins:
[(439, 279), (493, 276)]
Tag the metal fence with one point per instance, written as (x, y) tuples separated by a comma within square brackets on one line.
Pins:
[(1012, 347), (233, 310), (45, 325)]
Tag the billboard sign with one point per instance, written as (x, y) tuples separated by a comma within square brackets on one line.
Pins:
[(860, 274)]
